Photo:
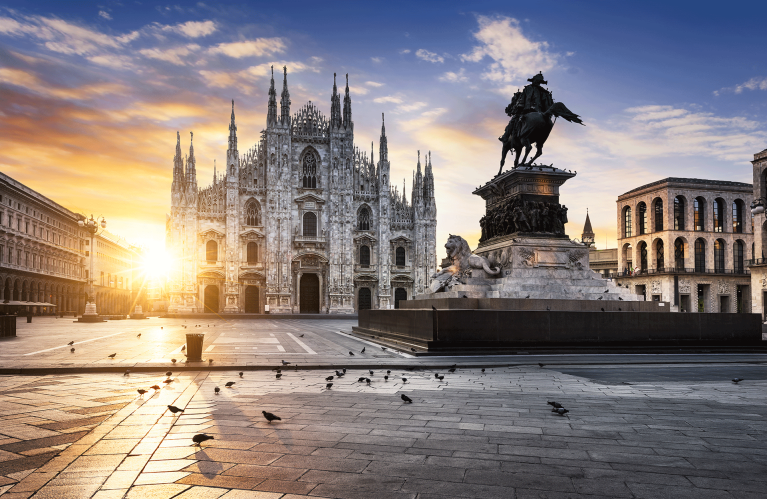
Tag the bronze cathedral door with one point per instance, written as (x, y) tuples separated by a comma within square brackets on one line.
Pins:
[(310, 294)]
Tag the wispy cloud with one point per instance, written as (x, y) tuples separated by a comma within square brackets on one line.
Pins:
[(250, 48), (105, 15), (404, 51), (515, 57), (757, 83), (377, 60), (374, 84), (193, 29), (390, 99), (452, 77), (407, 108), (172, 55), (429, 56)]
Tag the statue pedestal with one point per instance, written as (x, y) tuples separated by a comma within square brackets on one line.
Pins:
[(90, 314), (138, 313)]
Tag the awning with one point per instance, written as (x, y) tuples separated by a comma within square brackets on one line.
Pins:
[(26, 304)]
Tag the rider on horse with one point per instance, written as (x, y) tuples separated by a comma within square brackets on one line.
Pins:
[(532, 98)]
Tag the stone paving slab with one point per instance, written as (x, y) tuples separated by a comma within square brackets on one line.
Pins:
[(473, 434)]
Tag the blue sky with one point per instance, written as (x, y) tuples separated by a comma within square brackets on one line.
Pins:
[(92, 93)]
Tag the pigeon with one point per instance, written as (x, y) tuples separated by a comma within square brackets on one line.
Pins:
[(383, 348), (210, 361), (329, 378), (166, 381), (72, 349), (483, 369), (112, 356), (602, 309), (169, 374), (606, 290), (561, 411), (155, 387), (229, 384), (599, 298), (434, 308), (300, 335), (351, 353), (174, 409), (344, 370), (183, 348), (127, 372), (172, 361), (201, 437), (141, 391), (620, 298), (556, 405), (285, 363), (71, 343), (528, 296), (278, 375), (406, 399), (386, 378), (329, 385), (548, 308), (271, 417), (440, 378), (412, 349), (371, 372), (339, 374), (436, 375), (138, 335), (367, 380), (278, 370), (363, 350), (404, 380), (240, 374), (737, 380), (541, 365), (361, 379), (217, 389), (451, 370)]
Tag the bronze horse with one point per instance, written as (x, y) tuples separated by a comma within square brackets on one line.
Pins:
[(535, 128)]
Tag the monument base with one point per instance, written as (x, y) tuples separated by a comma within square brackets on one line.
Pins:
[(90, 314)]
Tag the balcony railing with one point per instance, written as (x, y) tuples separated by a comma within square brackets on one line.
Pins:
[(756, 261), (364, 268), (671, 270), (309, 239)]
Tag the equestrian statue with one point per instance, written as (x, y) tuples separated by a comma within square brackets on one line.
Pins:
[(531, 111)]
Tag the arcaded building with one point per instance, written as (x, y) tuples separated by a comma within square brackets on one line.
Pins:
[(688, 242), (304, 221), (758, 259)]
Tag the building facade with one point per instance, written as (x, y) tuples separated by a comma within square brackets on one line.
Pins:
[(117, 285), (304, 221), (758, 261), (41, 253), (687, 241)]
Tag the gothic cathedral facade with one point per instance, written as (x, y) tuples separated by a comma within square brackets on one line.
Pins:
[(303, 222)]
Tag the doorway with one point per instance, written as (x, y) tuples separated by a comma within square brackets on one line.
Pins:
[(251, 300), (365, 299), (211, 299), (310, 294), (684, 303), (400, 294), (724, 304)]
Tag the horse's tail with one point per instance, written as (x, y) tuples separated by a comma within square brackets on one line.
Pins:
[(560, 110)]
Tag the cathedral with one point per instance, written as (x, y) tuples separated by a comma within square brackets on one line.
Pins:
[(303, 222)]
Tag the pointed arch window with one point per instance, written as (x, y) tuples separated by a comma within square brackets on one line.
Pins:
[(363, 219), (211, 251), (309, 171), (400, 256), (365, 255), (252, 213), (310, 224)]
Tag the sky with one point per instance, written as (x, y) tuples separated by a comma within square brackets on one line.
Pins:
[(92, 93)]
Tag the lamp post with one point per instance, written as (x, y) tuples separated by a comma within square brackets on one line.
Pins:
[(93, 226)]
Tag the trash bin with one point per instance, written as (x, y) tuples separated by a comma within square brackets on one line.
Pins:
[(194, 347), (29, 319)]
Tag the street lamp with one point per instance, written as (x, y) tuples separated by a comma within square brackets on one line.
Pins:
[(93, 226)]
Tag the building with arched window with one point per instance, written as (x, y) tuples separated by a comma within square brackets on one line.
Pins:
[(303, 221), (695, 254)]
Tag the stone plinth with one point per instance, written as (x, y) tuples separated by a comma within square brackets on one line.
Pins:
[(90, 314)]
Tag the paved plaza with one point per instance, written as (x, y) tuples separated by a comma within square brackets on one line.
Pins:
[(649, 426)]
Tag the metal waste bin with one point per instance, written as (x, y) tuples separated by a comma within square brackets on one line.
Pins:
[(29, 319), (194, 347)]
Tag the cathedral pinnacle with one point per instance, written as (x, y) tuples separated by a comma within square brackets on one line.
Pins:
[(271, 114), (347, 105), (335, 106), (285, 100), (383, 149)]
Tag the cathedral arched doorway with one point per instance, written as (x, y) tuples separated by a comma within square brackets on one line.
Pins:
[(251, 300), (211, 299), (364, 299), (400, 294), (310, 294)]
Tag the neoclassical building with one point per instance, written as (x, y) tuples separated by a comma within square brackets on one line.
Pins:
[(688, 241), (304, 221)]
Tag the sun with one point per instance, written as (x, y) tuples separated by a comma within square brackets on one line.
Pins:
[(156, 263)]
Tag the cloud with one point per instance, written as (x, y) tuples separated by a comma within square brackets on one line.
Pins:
[(105, 15), (374, 84), (425, 120), (392, 99), (406, 108), (429, 56), (173, 55), (404, 51), (377, 60), (758, 83), (515, 57), (451, 77), (250, 48), (193, 29), (32, 83)]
